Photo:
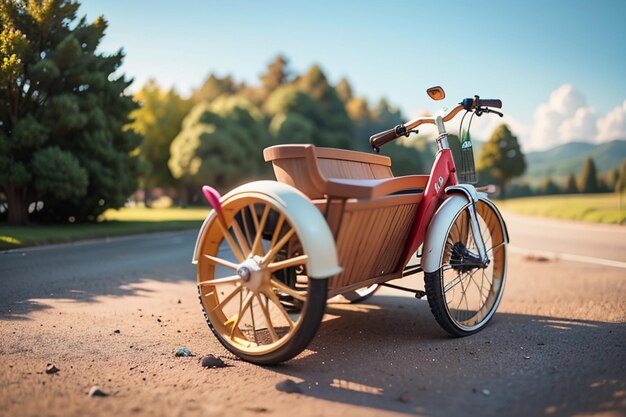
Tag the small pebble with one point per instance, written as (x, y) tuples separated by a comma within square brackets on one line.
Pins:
[(179, 301), (96, 391), (403, 398), (183, 351), (210, 361), (116, 331), (289, 386), (526, 357), (486, 392), (51, 369)]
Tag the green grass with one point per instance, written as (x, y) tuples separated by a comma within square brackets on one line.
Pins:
[(126, 221), (596, 208)]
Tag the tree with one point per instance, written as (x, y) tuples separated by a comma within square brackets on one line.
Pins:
[(63, 109), (276, 75), (220, 144), (501, 157), (214, 87), (620, 185), (159, 120), (588, 180), (548, 187), (570, 187), (344, 90)]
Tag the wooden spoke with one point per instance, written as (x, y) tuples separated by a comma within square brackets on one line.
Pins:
[(270, 294), (222, 262), (226, 280), (256, 339), (279, 226), (231, 243), (259, 232), (269, 256), (237, 317), (240, 238), (254, 217), (288, 290), (268, 320), (298, 260), (227, 298)]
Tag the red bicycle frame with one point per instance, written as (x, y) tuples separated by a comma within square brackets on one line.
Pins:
[(442, 175)]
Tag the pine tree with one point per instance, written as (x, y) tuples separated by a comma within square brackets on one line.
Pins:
[(570, 186), (501, 157), (63, 110), (549, 187), (344, 90), (588, 180)]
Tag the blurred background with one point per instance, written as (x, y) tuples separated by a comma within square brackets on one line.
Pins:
[(137, 104)]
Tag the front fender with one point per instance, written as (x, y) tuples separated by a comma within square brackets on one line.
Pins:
[(460, 199), (311, 227), (438, 230)]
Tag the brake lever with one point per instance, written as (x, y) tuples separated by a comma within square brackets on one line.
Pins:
[(480, 110)]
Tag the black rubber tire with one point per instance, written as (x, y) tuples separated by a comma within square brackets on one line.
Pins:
[(433, 283), (434, 293), (312, 314)]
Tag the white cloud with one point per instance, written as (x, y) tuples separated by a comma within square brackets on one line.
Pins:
[(613, 125), (564, 118)]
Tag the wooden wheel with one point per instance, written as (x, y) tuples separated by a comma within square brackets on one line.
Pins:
[(253, 285)]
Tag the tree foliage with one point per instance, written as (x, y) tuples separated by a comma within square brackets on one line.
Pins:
[(220, 144), (570, 186), (588, 180), (62, 114), (501, 157), (159, 120), (620, 184)]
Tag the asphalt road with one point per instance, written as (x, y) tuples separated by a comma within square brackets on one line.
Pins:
[(556, 347)]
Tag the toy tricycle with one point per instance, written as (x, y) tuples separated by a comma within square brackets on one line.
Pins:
[(337, 222)]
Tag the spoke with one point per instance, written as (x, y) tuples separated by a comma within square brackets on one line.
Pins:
[(240, 237), (279, 226), (226, 280), (231, 243), (259, 231), (288, 290), (242, 309), (268, 320), (497, 246), (256, 339), (222, 262), (287, 263), (254, 217), (269, 256), (270, 294), (452, 283), (227, 298), (245, 225)]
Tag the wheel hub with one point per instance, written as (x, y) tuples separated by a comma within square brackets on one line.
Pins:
[(251, 273), (464, 260)]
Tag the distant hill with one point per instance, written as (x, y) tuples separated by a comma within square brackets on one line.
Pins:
[(558, 162)]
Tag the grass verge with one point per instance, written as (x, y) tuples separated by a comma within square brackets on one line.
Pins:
[(595, 208), (126, 221)]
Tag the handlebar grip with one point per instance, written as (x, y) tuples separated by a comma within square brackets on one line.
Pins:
[(489, 103), (379, 139)]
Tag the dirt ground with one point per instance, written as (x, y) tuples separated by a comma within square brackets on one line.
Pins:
[(556, 347)]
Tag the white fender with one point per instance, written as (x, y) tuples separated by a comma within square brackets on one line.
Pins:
[(437, 231), (312, 229)]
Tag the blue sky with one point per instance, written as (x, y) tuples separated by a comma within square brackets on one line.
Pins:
[(520, 52)]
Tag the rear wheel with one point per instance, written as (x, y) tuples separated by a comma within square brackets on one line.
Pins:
[(463, 297), (253, 284)]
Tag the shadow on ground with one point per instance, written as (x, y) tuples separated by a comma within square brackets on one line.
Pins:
[(391, 355), (84, 271)]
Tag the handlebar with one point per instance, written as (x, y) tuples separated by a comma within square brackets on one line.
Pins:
[(480, 105)]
